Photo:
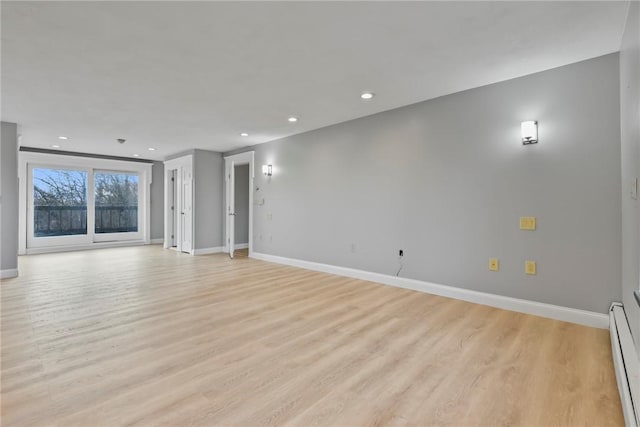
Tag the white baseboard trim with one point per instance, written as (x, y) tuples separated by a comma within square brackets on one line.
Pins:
[(8, 273), (566, 314), (91, 246), (237, 246), (156, 241), (207, 251)]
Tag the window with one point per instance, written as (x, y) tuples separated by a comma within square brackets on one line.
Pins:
[(116, 202), (59, 202), (74, 201)]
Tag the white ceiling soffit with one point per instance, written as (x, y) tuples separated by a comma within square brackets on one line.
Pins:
[(183, 75)]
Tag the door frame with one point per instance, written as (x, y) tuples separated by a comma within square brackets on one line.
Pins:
[(237, 160), (169, 165)]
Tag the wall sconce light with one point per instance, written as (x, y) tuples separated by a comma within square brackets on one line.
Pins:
[(529, 132), (267, 170)]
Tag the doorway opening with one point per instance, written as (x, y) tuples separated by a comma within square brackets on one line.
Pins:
[(241, 218), (239, 176)]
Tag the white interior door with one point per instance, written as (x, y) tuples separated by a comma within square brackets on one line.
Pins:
[(174, 208), (231, 209), (186, 213)]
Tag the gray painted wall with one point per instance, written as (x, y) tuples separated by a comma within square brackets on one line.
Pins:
[(180, 154), (9, 200), (447, 180), (208, 179), (630, 148), (157, 201), (242, 204)]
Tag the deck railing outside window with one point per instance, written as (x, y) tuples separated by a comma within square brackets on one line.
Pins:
[(69, 220)]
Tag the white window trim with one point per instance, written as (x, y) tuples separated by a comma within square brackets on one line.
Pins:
[(28, 159)]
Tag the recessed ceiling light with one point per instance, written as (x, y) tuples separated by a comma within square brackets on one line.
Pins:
[(244, 134), (55, 146), (152, 149), (63, 137), (293, 119), (367, 95), (136, 155)]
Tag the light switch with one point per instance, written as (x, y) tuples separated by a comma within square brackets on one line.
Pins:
[(494, 264), (527, 223), (530, 267)]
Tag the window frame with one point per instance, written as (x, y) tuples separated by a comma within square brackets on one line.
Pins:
[(30, 244)]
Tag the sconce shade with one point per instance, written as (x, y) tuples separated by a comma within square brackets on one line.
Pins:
[(529, 132)]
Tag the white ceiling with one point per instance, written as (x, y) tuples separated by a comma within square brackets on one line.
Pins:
[(182, 75)]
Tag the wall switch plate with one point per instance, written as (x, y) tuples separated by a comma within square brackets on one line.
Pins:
[(494, 265), (530, 267), (527, 223), (634, 188)]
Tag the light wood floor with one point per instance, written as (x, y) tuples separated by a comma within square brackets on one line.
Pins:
[(145, 336)]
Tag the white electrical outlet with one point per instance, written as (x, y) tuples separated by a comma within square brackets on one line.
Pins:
[(634, 188)]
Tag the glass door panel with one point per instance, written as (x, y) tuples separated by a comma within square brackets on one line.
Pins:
[(59, 206), (116, 199)]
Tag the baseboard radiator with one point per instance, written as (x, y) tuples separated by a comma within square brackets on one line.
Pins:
[(627, 366)]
